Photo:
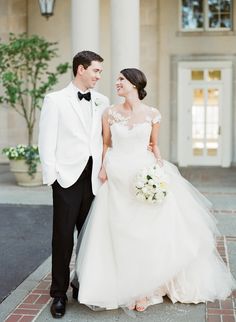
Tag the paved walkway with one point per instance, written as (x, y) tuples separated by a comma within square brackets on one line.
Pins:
[(30, 301), (25, 235)]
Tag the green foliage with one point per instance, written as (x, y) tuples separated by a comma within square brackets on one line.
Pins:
[(25, 75)]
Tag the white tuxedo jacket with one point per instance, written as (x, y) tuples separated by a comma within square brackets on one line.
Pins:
[(64, 146)]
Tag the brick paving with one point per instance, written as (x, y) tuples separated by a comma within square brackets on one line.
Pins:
[(35, 302), (222, 311)]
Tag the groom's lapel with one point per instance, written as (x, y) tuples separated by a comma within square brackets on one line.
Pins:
[(74, 102), (96, 118)]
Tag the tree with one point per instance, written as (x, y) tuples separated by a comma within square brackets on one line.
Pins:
[(25, 75)]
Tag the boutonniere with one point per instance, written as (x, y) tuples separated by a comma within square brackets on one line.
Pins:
[(98, 102)]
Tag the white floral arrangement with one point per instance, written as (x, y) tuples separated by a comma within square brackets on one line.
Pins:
[(98, 102), (29, 153), (151, 185)]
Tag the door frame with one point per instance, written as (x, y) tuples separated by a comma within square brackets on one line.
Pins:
[(183, 127)]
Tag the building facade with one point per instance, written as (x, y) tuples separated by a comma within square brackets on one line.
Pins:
[(186, 48)]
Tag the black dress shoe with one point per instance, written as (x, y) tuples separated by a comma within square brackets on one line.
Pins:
[(75, 291), (58, 307)]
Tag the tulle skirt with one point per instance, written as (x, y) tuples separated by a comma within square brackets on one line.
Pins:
[(131, 249)]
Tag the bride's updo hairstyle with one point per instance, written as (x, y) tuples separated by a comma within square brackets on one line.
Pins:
[(137, 78)]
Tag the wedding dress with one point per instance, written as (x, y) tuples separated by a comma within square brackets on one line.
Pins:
[(131, 249)]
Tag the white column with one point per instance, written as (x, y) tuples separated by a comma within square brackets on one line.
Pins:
[(125, 27), (85, 25)]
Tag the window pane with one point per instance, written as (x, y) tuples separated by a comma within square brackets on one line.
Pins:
[(225, 6), (225, 21), (197, 75), (192, 14), (198, 122), (213, 5), (214, 75), (219, 14), (214, 20), (212, 121), (213, 97)]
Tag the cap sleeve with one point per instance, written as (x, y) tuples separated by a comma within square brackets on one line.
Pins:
[(109, 114), (156, 116)]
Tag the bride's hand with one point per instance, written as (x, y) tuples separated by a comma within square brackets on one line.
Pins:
[(149, 147), (160, 163), (102, 175)]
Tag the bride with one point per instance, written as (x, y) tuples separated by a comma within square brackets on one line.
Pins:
[(133, 252)]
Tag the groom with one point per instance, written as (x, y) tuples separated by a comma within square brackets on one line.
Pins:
[(70, 147)]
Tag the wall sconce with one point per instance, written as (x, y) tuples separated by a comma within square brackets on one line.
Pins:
[(46, 7)]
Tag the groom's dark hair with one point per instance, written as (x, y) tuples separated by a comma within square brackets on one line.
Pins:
[(85, 58)]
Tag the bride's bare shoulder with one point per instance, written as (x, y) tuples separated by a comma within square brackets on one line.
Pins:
[(149, 108), (116, 107), (113, 108)]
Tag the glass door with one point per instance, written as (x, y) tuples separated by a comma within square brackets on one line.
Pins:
[(204, 121), (205, 124)]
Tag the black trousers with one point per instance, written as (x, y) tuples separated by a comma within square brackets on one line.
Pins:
[(70, 209)]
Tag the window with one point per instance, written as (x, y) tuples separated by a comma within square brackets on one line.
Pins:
[(200, 15), (207, 75)]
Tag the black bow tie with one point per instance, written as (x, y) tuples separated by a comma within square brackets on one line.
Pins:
[(86, 96)]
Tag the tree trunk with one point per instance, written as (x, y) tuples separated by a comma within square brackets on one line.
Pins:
[(30, 135)]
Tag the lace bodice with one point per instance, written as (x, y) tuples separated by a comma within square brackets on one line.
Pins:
[(131, 133), (145, 115)]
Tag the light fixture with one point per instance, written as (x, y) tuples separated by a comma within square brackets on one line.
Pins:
[(46, 7)]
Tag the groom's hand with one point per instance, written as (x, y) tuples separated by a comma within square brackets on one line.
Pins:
[(102, 175)]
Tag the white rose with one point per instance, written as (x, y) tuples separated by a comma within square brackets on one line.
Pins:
[(151, 182), (149, 199), (139, 184), (140, 196), (144, 190)]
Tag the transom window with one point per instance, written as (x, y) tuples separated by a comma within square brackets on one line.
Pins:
[(210, 15)]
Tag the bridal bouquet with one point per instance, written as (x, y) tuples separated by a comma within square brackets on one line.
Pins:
[(151, 185)]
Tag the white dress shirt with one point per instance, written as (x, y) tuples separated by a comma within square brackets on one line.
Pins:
[(86, 107)]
